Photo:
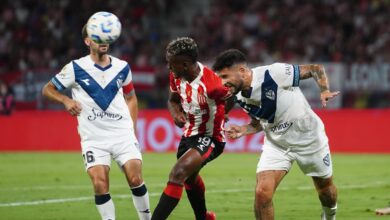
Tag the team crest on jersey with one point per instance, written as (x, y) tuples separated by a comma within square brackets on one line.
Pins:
[(326, 160), (201, 99), (188, 92), (270, 94), (119, 82)]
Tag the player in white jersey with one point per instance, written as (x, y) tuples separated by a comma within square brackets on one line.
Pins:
[(293, 132), (104, 101)]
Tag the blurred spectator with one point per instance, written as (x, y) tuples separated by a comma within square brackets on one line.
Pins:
[(42, 34), (6, 99)]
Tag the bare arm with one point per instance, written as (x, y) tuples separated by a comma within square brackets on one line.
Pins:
[(317, 71), (235, 131), (72, 106), (132, 104), (174, 107)]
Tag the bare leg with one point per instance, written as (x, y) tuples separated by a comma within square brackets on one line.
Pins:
[(133, 172), (100, 182), (267, 182), (327, 194), (186, 166)]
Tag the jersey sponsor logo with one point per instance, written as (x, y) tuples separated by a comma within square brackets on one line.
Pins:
[(326, 160), (282, 127), (85, 81), (102, 114)]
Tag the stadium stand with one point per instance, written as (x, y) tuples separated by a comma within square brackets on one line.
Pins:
[(38, 37)]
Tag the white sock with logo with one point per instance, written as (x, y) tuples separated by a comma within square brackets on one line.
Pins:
[(141, 201)]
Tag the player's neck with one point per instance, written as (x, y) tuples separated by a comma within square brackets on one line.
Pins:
[(100, 59), (248, 80)]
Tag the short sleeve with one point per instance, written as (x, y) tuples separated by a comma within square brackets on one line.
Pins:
[(129, 75), (172, 84), (65, 78), (285, 75)]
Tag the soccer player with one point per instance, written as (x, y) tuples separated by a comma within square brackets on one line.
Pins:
[(196, 102), (293, 132), (104, 101)]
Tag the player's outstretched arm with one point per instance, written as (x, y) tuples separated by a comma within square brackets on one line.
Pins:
[(317, 71), (236, 131), (174, 107), (50, 91)]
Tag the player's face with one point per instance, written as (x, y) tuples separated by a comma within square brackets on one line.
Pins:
[(95, 48), (231, 78), (178, 66)]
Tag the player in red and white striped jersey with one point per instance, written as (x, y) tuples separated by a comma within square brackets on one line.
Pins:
[(197, 103)]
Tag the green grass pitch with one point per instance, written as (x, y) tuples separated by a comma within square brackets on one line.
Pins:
[(55, 186)]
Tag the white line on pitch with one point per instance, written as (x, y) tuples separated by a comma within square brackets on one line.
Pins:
[(76, 199)]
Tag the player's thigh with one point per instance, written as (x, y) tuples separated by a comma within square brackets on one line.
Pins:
[(99, 175), (133, 172), (274, 158), (94, 155), (187, 165), (317, 164), (268, 181)]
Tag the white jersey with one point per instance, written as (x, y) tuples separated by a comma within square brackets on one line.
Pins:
[(105, 116), (286, 117)]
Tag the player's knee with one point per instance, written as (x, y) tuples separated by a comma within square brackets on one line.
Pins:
[(178, 176), (263, 195), (100, 185), (135, 180)]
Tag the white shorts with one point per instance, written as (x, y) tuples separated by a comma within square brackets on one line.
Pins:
[(317, 164), (102, 154)]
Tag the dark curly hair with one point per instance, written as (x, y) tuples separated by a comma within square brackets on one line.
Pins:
[(183, 46), (228, 58)]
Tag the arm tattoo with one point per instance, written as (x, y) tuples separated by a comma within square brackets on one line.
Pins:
[(253, 127), (316, 71)]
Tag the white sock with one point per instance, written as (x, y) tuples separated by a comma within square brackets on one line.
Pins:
[(141, 202), (105, 206), (329, 213)]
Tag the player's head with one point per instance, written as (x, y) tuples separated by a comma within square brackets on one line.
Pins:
[(181, 55), (231, 67), (99, 49)]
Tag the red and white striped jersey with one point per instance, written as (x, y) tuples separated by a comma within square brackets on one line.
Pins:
[(203, 102)]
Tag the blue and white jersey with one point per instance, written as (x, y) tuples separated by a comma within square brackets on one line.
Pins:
[(105, 116), (284, 113)]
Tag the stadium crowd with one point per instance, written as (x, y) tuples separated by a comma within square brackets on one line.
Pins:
[(45, 34)]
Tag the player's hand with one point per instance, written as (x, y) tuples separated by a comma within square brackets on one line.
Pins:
[(180, 119), (326, 95), (234, 131), (73, 107)]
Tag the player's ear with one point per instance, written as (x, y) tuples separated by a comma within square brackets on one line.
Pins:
[(87, 41)]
